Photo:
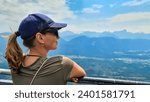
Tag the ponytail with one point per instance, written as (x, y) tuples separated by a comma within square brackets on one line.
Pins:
[(14, 54)]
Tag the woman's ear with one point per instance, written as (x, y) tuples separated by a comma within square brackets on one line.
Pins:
[(40, 38)]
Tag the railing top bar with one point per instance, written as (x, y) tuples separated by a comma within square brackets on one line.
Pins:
[(94, 80), (112, 81), (5, 71)]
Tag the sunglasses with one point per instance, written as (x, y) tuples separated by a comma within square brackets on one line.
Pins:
[(53, 31)]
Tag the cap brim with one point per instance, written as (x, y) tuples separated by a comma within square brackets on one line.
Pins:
[(58, 25)]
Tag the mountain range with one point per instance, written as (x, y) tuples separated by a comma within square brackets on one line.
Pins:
[(123, 34), (94, 44)]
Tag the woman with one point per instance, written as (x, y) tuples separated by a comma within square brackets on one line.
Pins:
[(39, 34)]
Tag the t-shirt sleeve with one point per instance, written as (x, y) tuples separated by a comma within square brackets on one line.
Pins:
[(67, 66)]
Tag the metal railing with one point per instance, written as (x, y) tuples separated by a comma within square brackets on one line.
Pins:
[(85, 80)]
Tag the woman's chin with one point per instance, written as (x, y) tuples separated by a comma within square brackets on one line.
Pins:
[(54, 48)]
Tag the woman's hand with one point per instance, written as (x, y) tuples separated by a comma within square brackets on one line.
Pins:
[(75, 80)]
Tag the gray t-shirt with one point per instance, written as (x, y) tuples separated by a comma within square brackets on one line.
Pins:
[(55, 71)]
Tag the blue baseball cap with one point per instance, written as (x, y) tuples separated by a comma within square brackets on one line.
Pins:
[(35, 23)]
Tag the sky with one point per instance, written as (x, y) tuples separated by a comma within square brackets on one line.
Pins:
[(80, 15)]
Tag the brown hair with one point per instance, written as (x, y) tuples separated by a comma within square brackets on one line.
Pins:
[(14, 54)]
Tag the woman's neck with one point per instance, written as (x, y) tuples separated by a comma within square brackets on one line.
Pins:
[(38, 51)]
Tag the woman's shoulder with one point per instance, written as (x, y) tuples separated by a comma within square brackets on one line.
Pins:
[(59, 58), (65, 61), (55, 58)]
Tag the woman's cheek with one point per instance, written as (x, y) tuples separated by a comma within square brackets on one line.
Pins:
[(53, 45)]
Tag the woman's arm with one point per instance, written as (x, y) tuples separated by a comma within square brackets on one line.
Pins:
[(77, 72)]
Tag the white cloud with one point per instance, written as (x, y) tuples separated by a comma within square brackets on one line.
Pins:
[(96, 6), (133, 22), (112, 5), (13, 11), (135, 2), (129, 17), (94, 9)]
